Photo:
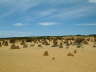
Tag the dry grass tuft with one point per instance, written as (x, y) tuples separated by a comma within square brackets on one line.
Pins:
[(13, 46), (39, 45), (53, 58), (0, 44), (79, 46), (32, 45), (70, 54), (5, 43), (25, 46), (94, 46), (61, 45), (46, 53), (75, 51)]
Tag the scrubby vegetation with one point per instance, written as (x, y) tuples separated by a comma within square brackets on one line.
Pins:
[(52, 41)]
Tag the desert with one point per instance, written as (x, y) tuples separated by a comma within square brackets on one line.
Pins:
[(48, 54)]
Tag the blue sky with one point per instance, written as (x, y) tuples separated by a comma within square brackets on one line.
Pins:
[(47, 17)]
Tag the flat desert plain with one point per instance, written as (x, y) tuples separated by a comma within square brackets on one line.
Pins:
[(48, 59)]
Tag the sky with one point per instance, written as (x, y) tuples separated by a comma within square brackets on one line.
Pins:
[(20, 18)]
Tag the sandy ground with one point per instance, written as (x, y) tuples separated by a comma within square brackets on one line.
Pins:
[(32, 60)]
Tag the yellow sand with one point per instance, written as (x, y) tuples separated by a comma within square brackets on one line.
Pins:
[(32, 60)]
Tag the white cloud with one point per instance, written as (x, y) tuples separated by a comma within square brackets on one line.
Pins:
[(19, 24), (21, 6), (75, 12), (17, 6), (47, 23), (47, 12), (86, 24), (92, 1), (44, 13), (14, 34)]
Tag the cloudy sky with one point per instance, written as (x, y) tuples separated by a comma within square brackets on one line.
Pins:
[(47, 17)]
